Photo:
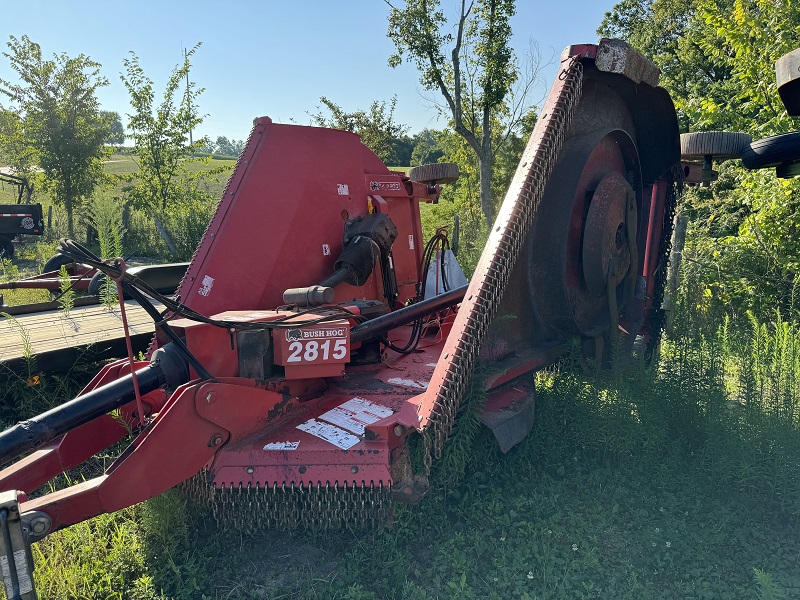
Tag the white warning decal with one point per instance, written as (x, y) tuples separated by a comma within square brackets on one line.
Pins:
[(338, 437), (326, 250), (410, 242), (420, 385), (25, 583), (6, 576), (343, 189), (282, 445), (355, 414), (206, 285)]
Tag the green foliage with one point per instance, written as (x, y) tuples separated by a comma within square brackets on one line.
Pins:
[(16, 151), (116, 131), (742, 248), (376, 126), (161, 138), (717, 57), (160, 133), (462, 198), (66, 299), (228, 147), (474, 71), (106, 218), (426, 148), (97, 559), (746, 37), (60, 120)]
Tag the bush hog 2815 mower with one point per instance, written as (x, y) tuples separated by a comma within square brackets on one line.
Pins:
[(301, 358)]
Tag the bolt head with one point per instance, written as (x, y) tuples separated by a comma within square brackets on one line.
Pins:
[(398, 430), (354, 469), (250, 470)]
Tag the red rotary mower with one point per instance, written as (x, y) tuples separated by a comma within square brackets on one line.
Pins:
[(315, 336)]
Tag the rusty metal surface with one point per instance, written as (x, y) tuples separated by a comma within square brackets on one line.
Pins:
[(555, 255), (616, 56), (605, 236)]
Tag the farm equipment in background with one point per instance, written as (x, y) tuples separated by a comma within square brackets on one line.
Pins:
[(779, 151), (304, 353), (18, 219), (82, 278)]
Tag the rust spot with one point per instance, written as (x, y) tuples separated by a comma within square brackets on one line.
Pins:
[(281, 408)]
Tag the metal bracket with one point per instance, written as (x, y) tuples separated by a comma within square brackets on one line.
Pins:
[(16, 562)]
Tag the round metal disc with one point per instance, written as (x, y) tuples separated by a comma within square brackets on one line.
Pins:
[(605, 237), (603, 165)]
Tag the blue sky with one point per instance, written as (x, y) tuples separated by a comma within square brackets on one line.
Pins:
[(268, 57)]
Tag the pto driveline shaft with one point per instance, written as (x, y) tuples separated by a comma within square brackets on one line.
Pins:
[(33, 433), (406, 315)]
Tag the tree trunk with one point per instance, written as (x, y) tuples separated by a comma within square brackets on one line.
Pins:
[(165, 236), (486, 190), (70, 222), (485, 162), (673, 274)]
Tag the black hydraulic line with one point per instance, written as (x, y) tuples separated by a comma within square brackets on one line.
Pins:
[(33, 433), (406, 315)]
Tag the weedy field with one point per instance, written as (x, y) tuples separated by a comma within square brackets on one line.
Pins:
[(677, 481)]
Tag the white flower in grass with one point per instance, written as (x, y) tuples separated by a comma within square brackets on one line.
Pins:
[(574, 547), (494, 579), (658, 529), (654, 544), (661, 509), (503, 538), (549, 531), (669, 544), (530, 574)]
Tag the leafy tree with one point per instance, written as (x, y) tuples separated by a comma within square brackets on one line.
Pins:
[(16, 150), (474, 71), (376, 126), (745, 38), (461, 198), (427, 148), (116, 135), (402, 147), (60, 116), (229, 147), (161, 137)]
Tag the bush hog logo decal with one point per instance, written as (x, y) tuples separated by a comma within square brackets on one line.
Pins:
[(293, 335), (27, 223)]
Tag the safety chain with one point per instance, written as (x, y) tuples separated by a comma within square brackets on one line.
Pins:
[(658, 315), (255, 508), (525, 207)]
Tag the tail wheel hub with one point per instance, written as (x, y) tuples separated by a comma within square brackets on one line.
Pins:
[(606, 252), (580, 247)]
